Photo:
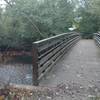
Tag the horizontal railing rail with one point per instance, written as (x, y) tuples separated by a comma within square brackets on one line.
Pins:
[(48, 51), (97, 38)]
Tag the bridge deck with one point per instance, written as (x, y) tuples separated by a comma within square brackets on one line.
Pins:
[(81, 65)]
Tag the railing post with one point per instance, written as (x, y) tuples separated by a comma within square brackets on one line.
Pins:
[(35, 65)]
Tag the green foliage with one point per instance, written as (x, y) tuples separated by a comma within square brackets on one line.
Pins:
[(25, 21), (89, 24), (29, 20), (90, 14)]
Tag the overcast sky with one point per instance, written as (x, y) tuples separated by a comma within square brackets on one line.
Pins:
[(2, 3)]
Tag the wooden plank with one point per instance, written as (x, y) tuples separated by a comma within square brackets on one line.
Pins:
[(60, 55), (64, 48), (48, 51), (56, 50), (48, 44), (97, 39), (51, 61), (48, 56), (52, 42), (96, 34), (39, 43), (35, 65)]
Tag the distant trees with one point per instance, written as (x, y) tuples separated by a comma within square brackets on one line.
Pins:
[(25, 21), (90, 14)]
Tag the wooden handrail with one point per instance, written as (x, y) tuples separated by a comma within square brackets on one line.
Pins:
[(48, 51), (97, 38)]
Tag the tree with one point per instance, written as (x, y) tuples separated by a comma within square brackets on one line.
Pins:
[(90, 22), (35, 20)]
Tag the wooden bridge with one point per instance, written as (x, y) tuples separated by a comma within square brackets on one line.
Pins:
[(47, 52), (66, 59), (55, 59)]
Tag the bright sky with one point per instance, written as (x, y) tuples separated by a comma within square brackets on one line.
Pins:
[(2, 3)]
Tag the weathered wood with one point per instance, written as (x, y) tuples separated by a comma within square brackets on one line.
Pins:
[(56, 56), (54, 51), (48, 44), (35, 65), (51, 62), (52, 41), (41, 42), (48, 51), (97, 38)]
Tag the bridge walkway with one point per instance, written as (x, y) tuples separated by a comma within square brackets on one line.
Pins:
[(81, 65)]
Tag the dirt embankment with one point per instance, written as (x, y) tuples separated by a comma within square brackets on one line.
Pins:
[(70, 91)]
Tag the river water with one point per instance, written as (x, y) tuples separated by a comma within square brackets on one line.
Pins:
[(16, 73)]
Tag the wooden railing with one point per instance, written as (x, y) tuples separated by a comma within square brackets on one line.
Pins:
[(48, 51), (97, 38)]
